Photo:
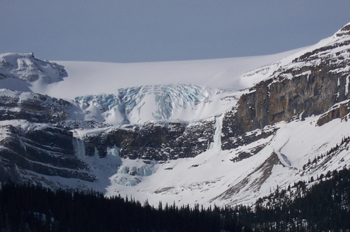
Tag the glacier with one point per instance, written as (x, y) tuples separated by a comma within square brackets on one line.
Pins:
[(138, 105), (132, 127)]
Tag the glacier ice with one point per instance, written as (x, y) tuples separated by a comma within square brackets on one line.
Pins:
[(145, 170), (130, 172), (158, 102), (126, 180)]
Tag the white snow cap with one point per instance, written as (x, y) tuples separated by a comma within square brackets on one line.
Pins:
[(26, 67)]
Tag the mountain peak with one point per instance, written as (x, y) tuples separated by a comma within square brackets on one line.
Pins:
[(28, 68), (344, 31)]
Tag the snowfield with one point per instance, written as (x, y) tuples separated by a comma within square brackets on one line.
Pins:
[(94, 78)]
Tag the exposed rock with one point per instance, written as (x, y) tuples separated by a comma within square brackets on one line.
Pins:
[(45, 150), (310, 85), (154, 140), (32, 107), (339, 110)]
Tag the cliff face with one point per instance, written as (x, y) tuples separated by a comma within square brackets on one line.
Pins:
[(32, 107), (309, 85), (40, 149), (32, 141), (154, 141)]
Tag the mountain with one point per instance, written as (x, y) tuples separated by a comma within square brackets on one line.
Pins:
[(221, 132)]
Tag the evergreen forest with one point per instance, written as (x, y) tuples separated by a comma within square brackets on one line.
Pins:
[(322, 207)]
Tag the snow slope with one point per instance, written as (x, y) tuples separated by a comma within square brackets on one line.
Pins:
[(213, 177), (24, 72), (93, 78)]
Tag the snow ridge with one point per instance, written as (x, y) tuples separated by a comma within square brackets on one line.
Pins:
[(26, 67)]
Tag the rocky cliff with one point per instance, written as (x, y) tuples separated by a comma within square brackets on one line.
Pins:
[(29, 149), (32, 107), (154, 141), (309, 85)]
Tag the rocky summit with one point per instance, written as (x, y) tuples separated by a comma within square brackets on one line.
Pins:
[(180, 142)]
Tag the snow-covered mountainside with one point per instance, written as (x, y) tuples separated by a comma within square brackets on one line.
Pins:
[(26, 73), (26, 67), (221, 132)]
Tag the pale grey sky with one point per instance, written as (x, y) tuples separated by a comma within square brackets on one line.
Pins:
[(139, 31)]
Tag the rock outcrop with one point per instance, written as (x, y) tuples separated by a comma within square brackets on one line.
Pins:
[(154, 141), (310, 85), (41, 149), (32, 107)]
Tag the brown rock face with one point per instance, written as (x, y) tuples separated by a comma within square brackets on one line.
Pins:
[(309, 85), (273, 102), (340, 110)]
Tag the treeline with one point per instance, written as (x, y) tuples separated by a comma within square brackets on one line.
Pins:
[(32, 208), (324, 207)]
